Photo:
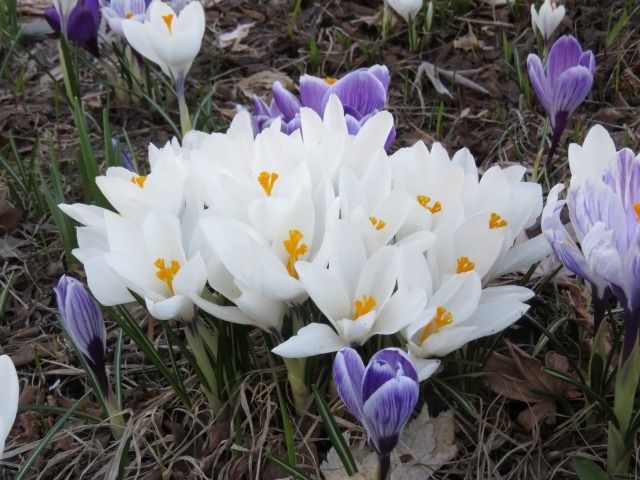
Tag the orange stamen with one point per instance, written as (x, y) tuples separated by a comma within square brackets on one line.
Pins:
[(165, 273), (443, 317), (465, 265), (168, 19), (295, 250), (496, 221), (363, 306)]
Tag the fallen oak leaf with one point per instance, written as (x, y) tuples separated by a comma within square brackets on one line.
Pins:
[(521, 377)]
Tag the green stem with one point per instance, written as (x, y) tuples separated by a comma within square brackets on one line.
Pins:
[(384, 467), (185, 118), (295, 374)]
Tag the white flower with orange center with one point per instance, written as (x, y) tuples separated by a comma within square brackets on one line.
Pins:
[(148, 259), (356, 294), (461, 311)]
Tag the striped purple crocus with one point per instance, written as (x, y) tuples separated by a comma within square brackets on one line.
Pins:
[(564, 85), (83, 322), (606, 215), (362, 93), (381, 396)]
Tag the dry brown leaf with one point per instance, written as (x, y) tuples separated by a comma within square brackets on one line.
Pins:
[(9, 220), (426, 444), (520, 377)]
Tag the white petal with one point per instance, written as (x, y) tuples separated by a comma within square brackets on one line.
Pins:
[(314, 339)]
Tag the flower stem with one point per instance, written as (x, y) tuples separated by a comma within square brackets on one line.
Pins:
[(384, 467), (185, 118), (65, 72)]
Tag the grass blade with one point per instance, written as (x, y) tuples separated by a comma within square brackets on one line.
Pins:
[(293, 471), (588, 469)]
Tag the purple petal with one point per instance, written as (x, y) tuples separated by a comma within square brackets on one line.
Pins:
[(572, 88), (381, 72), (293, 125), (565, 53), (286, 101), (387, 411), (588, 61), (125, 158), (399, 360), (260, 107), (359, 90), (53, 19), (312, 91), (353, 125), (624, 178), (82, 28), (539, 81), (348, 371), (390, 138)]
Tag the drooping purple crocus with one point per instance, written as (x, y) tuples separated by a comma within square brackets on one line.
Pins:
[(76, 20), (564, 86), (362, 93), (571, 256), (381, 396), (83, 322), (605, 213)]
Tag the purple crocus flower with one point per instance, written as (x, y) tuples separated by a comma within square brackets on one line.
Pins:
[(362, 93), (77, 21), (83, 322), (566, 83), (381, 396), (606, 215), (125, 158), (119, 10), (570, 254)]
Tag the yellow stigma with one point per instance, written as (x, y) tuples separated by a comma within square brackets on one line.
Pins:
[(465, 265), (128, 15), (165, 273), (443, 317), (330, 80), (496, 221), (168, 19), (294, 248), (267, 181), (377, 223), (139, 180), (425, 201), (553, 6), (636, 208), (363, 306)]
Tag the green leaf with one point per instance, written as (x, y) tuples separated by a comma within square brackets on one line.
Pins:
[(588, 469), (293, 471), (337, 440), (613, 33)]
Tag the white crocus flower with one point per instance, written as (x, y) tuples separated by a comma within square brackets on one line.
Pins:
[(407, 9), (547, 19), (149, 260), (170, 40), (461, 311), (356, 294), (8, 398), (592, 158)]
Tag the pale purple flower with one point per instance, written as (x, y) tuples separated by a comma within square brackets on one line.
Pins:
[(381, 396), (565, 84), (362, 93), (605, 213), (80, 24), (83, 322), (119, 10), (570, 253)]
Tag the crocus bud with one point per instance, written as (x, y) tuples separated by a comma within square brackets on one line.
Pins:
[(547, 19), (429, 19), (77, 20), (381, 396), (83, 322), (407, 9), (8, 397)]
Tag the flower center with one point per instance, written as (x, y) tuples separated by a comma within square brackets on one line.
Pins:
[(294, 248), (425, 201), (553, 6), (636, 208), (465, 265), (443, 317), (128, 15), (330, 80), (496, 221), (165, 273), (267, 181), (139, 180), (377, 223), (363, 306), (168, 19)]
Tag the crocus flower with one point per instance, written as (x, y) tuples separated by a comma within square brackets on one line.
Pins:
[(125, 158), (547, 19), (170, 40), (77, 20), (607, 217), (407, 9), (566, 83), (9, 397), (362, 93), (381, 396), (119, 10), (83, 322)]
